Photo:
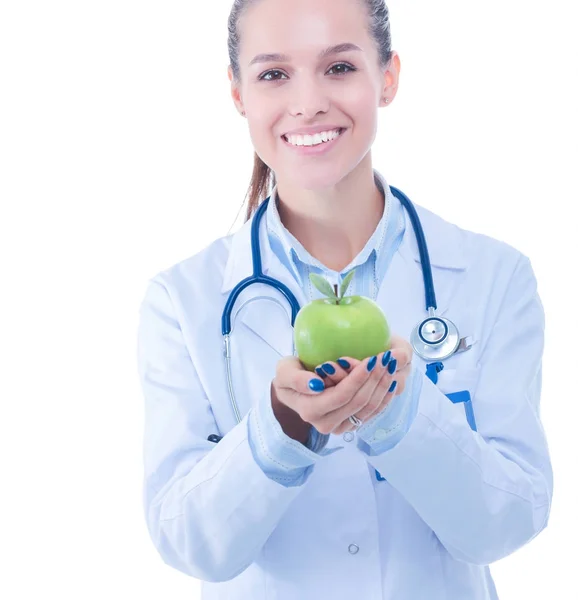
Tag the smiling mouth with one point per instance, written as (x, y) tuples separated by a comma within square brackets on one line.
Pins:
[(340, 132)]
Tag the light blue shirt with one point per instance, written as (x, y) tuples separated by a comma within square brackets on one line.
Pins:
[(282, 458)]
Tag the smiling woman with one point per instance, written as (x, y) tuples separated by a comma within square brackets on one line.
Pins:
[(335, 54), (252, 482)]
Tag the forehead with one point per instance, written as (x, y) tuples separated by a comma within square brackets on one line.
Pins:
[(301, 27)]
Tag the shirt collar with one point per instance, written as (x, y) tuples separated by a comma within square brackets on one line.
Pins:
[(289, 250), (449, 247)]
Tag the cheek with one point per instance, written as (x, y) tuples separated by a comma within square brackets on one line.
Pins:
[(263, 124), (367, 122), (360, 102)]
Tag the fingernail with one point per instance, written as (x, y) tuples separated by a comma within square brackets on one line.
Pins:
[(392, 387), (386, 358), (391, 366), (343, 363), (371, 363), (329, 369), (316, 385), (320, 372)]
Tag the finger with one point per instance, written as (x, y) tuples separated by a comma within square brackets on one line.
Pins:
[(397, 386), (380, 401), (400, 377), (338, 396), (379, 407), (334, 372), (401, 350), (352, 394), (291, 374), (376, 394)]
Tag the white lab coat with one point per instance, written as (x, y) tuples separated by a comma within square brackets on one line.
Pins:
[(454, 500)]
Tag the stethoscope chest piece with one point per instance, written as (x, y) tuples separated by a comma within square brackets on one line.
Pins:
[(435, 338)]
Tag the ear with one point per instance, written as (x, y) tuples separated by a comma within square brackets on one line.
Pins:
[(391, 80), (235, 92)]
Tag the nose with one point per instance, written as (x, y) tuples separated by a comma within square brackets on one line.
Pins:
[(308, 97)]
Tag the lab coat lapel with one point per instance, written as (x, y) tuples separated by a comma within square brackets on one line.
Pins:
[(270, 318), (264, 310), (402, 292), (400, 295)]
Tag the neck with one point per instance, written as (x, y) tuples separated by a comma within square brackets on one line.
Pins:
[(333, 224)]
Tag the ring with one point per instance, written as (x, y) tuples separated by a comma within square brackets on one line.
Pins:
[(355, 421)]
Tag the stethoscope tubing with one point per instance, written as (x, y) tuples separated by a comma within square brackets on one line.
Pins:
[(259, 277)]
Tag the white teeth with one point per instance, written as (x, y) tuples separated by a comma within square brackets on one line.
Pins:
[(313, 140)]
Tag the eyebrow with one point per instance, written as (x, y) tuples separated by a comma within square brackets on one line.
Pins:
[(346, 47)]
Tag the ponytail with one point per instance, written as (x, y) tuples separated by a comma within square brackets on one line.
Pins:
[(261, 181)]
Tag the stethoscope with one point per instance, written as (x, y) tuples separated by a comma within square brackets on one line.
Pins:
[(435, 338)]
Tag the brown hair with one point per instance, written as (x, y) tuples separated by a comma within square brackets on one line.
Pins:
[(263, 177)]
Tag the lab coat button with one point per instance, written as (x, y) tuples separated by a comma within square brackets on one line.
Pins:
[(353, 548), (380, 434), (348, 436)]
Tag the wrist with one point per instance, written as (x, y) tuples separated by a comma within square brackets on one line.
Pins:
[(291, 423)]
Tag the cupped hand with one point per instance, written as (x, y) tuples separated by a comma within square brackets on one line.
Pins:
[(396, 366), (361, 388)]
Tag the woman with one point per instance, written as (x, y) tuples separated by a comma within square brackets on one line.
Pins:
[(365, 478)]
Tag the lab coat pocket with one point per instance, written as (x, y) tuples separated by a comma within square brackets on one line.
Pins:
[(458, 379), (459, 385)]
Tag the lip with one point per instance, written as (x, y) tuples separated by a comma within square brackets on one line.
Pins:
[(322, 148)]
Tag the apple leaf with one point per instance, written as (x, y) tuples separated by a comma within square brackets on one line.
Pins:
[(322, 285), (345, 283)]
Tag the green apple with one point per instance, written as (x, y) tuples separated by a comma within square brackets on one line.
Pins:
[(338, 325)]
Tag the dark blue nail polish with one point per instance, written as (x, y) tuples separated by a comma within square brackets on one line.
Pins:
[(371, 363), (392, 387), (316, 385), (392, 365), (343, 363), (320, 372), (329, 369), (386, 358)]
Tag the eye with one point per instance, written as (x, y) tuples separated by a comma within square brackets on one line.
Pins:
[(263, 77), (347, 66)]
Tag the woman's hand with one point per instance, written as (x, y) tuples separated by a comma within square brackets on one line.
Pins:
[(354, 390), (398, 362)]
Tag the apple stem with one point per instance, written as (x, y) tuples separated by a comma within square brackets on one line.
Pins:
[(336, 294)]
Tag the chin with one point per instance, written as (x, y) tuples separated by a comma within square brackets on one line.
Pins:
[(315, 177)]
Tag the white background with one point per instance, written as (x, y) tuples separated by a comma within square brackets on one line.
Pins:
[(116, 126)]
